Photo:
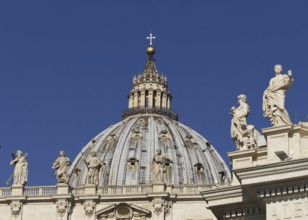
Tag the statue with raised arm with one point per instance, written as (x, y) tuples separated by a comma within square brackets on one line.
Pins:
[(95, 167), (158, 167), (20, 170), (274, 98), (61, 165), (243, 135)]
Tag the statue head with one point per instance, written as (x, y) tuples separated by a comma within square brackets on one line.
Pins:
[(278, 69), (62, 153), (19, 153), (242, 98)]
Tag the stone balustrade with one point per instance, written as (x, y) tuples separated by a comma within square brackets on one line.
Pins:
[(108, 190)]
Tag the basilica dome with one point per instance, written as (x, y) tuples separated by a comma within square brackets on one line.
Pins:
[(127, 149)]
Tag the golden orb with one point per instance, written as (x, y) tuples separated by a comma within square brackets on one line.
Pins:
[(150, 50)]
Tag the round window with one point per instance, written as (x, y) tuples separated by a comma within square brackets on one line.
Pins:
[(123, 210)]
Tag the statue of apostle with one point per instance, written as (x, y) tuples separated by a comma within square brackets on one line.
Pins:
[(20, 170), (274, 98), (243, 135), (61, 165), (158, 167), (95, 167)]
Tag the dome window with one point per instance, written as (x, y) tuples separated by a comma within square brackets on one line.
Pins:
[(199, 167), (168, 163), (132, 162)]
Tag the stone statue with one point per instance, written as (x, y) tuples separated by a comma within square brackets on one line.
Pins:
[(274, 98), (158, 167), (111, 139), (61, 165), (190, 141), (136, 138), (20, 170), (242, 134), (95, 167), (164, 139)]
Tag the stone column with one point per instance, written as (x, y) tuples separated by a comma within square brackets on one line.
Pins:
[(135, 100), (142, 101), (164, 100), (158, 99), (131, 101), (150, 99), (168, 102)]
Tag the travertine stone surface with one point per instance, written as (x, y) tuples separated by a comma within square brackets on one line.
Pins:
[(268, 182)]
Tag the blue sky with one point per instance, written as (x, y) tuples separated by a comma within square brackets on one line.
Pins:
[(66, 68)]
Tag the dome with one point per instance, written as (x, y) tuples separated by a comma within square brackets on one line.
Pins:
[(127, 151)]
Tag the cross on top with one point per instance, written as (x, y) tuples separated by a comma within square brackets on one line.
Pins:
[(151, 38)]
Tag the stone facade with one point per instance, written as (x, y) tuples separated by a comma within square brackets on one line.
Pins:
[(126, 202), (269, 182)]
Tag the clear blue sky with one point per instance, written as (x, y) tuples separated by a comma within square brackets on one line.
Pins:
[(66, 68)]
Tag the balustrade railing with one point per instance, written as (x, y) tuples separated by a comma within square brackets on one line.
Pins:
[(5, 192), (106, 190), (40, 190)]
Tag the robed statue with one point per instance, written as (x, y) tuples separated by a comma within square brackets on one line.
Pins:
[(95, 167), (243, 135), (274, 98), (20, 170), (61, 165), (158, 167)]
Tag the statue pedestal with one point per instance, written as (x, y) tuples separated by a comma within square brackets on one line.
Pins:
[(90, 190), (277, 139), (17, 190), (159, 187), (286, 142), (63, 189)]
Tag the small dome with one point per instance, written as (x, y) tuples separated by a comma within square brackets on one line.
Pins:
[(127, 150)]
